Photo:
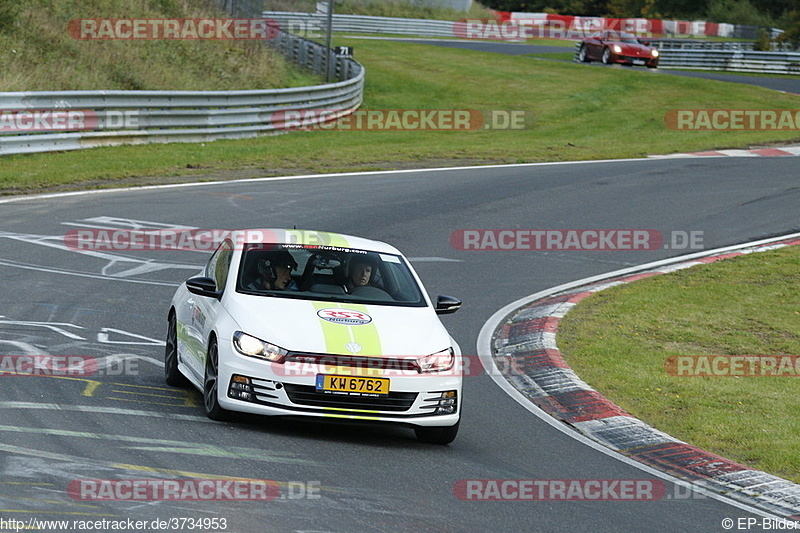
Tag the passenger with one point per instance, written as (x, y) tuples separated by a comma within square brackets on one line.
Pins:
[(360, 273)]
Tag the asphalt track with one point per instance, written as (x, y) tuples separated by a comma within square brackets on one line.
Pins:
[(128, 425)]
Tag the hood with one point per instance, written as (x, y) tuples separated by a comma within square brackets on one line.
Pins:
[(340, 328), (635, 50)]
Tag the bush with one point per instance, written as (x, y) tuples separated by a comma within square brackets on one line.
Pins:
[(764, 42), (737, 12), (791, 34)]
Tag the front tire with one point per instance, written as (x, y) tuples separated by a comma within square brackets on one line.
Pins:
[(437, 435), (172, 375), (211, 385), (606, 56)]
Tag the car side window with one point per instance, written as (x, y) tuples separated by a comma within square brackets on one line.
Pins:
[(219, 264)]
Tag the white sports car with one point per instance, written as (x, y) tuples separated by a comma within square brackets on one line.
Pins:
[(293, 322)]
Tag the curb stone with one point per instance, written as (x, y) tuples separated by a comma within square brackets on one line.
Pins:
[(756, 152), (524, 349)]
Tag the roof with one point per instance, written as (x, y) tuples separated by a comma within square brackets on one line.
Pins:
[(311, 237)]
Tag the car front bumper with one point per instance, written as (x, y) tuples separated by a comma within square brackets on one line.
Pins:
[(255, 386)]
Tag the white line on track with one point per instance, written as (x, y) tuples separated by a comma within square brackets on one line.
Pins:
[(311, 176), (104, 410), (50, 270)]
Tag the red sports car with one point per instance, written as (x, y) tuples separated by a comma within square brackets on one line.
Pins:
[(617, 47)]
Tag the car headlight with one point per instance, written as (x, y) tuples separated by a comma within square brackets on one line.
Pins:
[(617, 49), (437, 362), (252, 347), (655, 53)]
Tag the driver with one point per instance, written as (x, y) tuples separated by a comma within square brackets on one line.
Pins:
[(275, 273)]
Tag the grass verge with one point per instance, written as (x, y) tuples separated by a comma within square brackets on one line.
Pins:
[(39, 54), (578, 112), (618, 340)]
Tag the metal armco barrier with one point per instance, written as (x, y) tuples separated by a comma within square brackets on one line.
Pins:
[(732, 60), (317, 22), (693, 44), (139, 117)]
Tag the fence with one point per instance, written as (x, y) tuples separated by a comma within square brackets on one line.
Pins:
[(36, 121)]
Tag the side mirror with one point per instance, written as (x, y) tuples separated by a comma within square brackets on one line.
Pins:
[(447, 304), (203, 286)]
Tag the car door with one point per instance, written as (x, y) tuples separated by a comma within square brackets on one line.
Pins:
[(203, 310), (594, 48)]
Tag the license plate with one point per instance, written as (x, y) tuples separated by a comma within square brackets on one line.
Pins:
[(352, 385), (638, 61)]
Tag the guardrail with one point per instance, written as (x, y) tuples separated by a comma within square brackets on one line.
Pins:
[(304, 22), (732, 60), (693, 44), (36, 121)]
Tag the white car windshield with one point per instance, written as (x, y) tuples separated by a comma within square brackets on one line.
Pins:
[(327, 273)]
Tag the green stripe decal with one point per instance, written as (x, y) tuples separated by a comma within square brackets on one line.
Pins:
[(320, 238), (335, 240), (366, 335), (337, 336)]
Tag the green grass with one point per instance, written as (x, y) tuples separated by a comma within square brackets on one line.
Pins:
[(579, 113), (38, 54), (617, 341), (554, 56)]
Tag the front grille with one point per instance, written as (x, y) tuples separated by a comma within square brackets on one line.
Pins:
[(400, 364), (308, 395)]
